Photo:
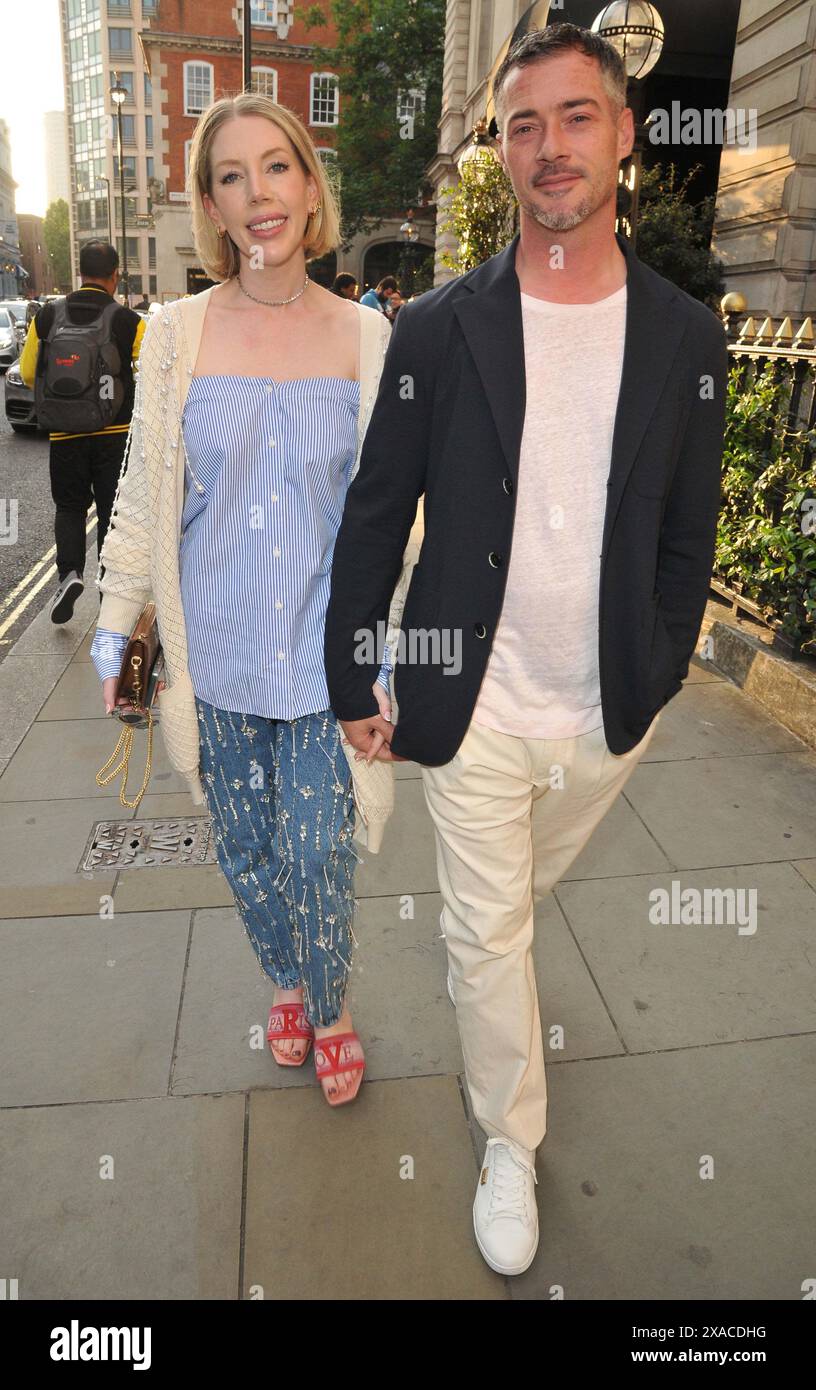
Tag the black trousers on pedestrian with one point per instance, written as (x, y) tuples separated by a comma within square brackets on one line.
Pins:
[(83, 470)]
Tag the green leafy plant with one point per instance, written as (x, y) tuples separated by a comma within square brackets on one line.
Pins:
[(766, 541), (674, 234), (480, 212)]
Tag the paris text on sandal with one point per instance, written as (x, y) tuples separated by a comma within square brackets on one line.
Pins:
[(288, 1021)]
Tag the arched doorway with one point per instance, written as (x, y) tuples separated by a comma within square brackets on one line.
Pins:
[(401, 259), (382, 259), (323, 270)]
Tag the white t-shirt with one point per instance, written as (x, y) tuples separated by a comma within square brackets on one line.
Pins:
[(542, 678)]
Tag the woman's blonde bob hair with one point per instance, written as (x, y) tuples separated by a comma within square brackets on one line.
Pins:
[(219, 256)]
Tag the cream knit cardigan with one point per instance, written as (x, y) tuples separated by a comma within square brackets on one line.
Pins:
[(140, 554)]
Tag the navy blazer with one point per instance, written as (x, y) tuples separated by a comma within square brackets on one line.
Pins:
[(447, 423)]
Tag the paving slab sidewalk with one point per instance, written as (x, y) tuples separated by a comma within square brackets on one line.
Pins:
[(153, 1150)]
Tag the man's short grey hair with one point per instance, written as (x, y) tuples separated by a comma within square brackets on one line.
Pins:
[(560, 38)]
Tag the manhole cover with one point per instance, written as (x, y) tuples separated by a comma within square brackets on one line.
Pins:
[(149, 844)]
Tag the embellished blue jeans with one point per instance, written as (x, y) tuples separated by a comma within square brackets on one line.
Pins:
[(280, 795)]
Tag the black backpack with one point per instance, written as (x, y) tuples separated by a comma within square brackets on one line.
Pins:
[(78, 387)]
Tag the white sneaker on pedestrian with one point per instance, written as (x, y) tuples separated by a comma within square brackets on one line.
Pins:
[(505, 1215), (62, 604)]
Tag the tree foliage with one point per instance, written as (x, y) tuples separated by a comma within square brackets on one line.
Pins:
[(674, 234), (383, 48), (57, 238)]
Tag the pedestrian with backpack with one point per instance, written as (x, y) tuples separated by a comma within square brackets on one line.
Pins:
[(78, 357)]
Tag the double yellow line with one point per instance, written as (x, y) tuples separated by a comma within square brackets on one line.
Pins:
[(30, 586)]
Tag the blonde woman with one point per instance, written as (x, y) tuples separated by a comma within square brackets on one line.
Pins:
[(252, 401)]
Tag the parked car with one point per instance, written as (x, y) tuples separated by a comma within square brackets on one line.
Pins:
[(9, 342), (21, 411), (23, 311)]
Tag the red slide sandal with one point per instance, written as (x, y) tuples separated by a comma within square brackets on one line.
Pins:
[(340, 1052), (288, 1021)]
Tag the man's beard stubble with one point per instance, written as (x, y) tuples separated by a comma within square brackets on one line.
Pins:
[(556, 220)]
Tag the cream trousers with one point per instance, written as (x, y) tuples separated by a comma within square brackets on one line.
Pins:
[(510, 816)]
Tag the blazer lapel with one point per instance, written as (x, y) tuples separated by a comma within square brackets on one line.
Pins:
[(490, 317), (653, 335)]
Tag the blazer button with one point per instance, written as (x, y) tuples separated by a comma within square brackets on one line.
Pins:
[(507, 484), (495, 560), (480, 630)]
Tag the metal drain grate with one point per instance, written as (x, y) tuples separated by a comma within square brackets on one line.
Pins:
[(149, 844)]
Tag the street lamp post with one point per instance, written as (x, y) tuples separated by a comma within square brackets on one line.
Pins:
[(410, 236), (246, 45), (636, 30), (118, 95), (102, 179)]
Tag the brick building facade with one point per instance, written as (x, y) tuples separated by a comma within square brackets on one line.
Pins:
[(192, 50), (35, 256)]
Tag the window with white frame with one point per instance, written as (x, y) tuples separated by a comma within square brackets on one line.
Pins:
[(410, 104), (198, 87), (323, 94), (268, 14), (328, 158), (265, 80), (265, 13), (187, 144)]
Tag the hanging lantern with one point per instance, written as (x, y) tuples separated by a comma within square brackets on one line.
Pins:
[(478, 155), (636, 30)]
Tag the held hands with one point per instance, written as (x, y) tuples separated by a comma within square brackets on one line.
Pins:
[(371, 737)]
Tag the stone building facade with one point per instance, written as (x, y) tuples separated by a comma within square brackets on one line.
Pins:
[(765, 230)]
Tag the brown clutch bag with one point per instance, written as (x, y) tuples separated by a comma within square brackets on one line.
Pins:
[(138, 662), (138, 680)]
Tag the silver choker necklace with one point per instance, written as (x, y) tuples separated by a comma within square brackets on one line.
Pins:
[(272, 303)]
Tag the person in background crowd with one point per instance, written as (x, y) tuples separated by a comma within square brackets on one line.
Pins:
[(345, 285), (378, 297), (85, 467), (394, 305)]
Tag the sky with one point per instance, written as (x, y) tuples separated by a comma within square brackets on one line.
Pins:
[(30, 84)]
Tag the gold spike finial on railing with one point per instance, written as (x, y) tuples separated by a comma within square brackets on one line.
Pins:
[(748, 330), (804, 338)]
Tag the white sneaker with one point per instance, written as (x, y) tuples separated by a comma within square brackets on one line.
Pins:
[(505, 1215)]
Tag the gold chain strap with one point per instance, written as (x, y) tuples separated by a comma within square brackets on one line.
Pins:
[(125, 744)]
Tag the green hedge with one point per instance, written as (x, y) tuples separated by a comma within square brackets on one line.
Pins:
[(766, 535)]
